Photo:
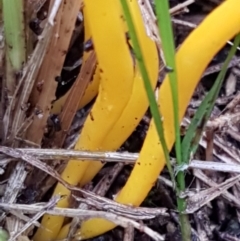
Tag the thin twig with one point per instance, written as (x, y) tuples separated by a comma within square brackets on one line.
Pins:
[(214, 166), (181, 6), (54, 11), (69, 212), (46, 207), (62, 154)]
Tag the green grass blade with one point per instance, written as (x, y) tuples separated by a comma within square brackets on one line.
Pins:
[(150, 93), (14, 29), (166, 34), (4, 236), (167, 40), (196, 127)]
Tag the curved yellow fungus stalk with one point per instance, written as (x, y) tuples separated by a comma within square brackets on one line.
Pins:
[(92, 88), (192, 58), (117, 73), (138, 103)]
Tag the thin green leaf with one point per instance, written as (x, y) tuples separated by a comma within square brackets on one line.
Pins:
[(150, 94), (13, 18), (196, 127), (165, 30), (166, 34)]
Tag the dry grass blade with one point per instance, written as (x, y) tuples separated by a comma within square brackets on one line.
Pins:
[(50, 205), (215, 166), (224, 120), (66, 117), (181, 7), (69, 212), (107, 180), (37, 163), (216, 68), (51, 68), (56, 154), (102, 203), (14, 185), (75, 95), (150, 21), (208, 181), (200, 199), (230, 106), (129, 233), (33, 161), (228, 154), (19, 219)]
